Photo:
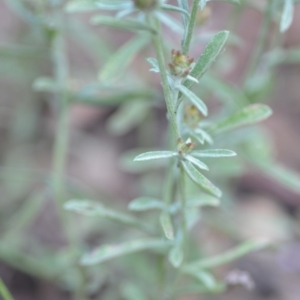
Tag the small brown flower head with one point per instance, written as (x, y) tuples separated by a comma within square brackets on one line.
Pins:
[(181, 64), (192, 116), (203, 16), (146, 5), (185, 147)]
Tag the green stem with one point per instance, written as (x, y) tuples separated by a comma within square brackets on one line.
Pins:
[(157, 41), (189, 34)]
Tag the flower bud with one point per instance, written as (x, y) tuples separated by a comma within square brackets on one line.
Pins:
[(181, 64)]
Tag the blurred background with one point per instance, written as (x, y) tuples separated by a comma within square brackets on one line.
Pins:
[(108, 124)]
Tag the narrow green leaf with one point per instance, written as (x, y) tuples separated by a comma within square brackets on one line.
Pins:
[(169, 22), (176, 256), (90, 208), (203, 200), (166, 223), (206, 278), (155, 155), (198, 163), (4, 292), (200, 180), (109, 252), (128, 164), (183, 4), (249, 115), (123, 24), (173, 8), (287, 15), (146, 203), (205, 136), (213, 153), (228, 256), (208, 56), (194, 99), (120, 60)]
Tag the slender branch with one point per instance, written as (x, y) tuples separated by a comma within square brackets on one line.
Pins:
[(189, 34)]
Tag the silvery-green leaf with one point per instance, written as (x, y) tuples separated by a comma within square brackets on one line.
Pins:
[(249, 115), (176, 256), (191, 78), (287, 15), (183, 4), (155, 155), (203, 200), (228, 256), (205, 136), (208, 56), (194, 99), (198, 163), (200, 180), (108, 252), (120, 60), (127, 164), (166, 224), (90, 208), (213, 153), (206, 278), (123, 24), (169, 22), (146, 203), (173, 8)]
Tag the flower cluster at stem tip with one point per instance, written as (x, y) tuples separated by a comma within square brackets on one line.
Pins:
[(181, 64), (146, 4), (185, 147)]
